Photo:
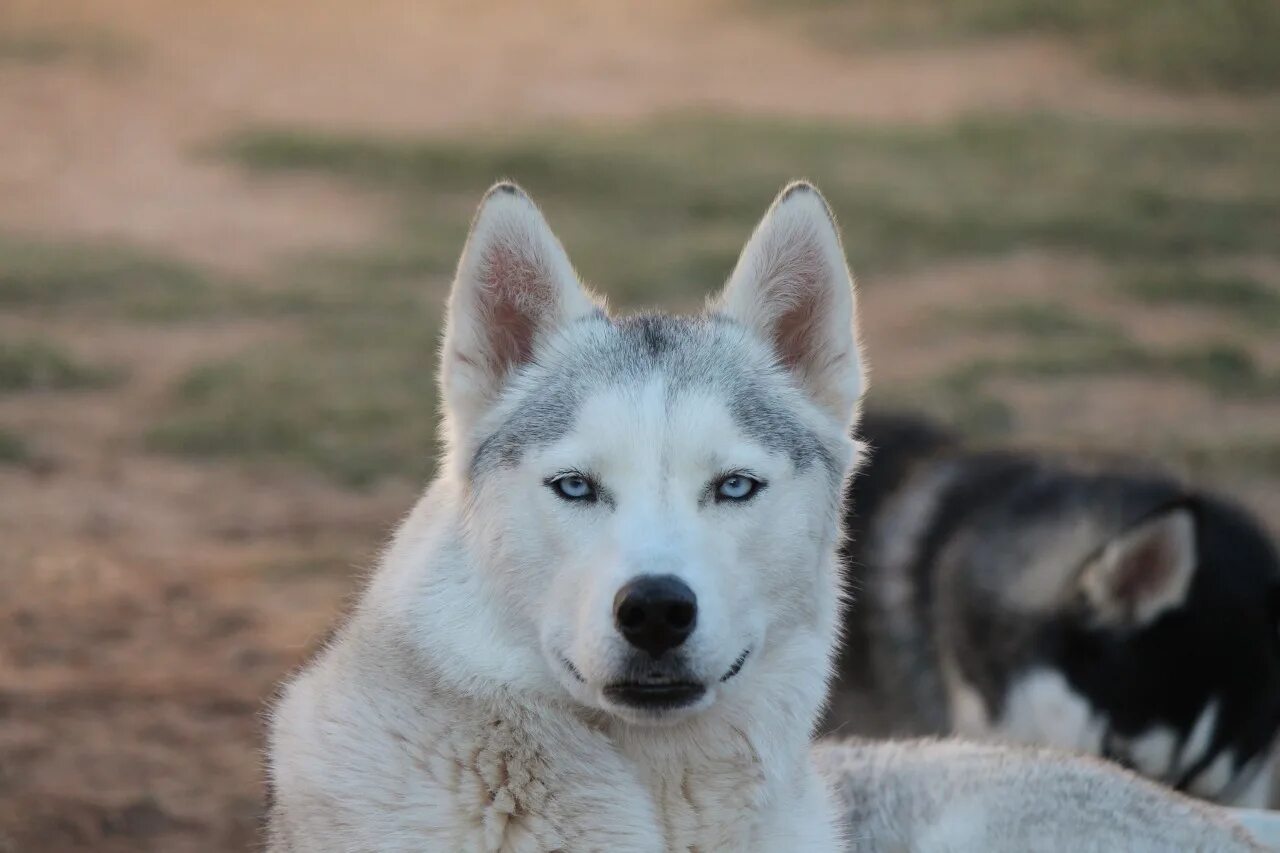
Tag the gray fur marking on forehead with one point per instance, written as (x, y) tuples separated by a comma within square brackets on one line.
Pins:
[(690, 352)]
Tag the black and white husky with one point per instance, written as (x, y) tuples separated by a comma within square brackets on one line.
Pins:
[(608, 624), (1059, 601)]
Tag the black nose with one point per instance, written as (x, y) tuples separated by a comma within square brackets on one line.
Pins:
[(655, 612)]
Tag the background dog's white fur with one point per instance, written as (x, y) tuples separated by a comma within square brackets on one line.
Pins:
[(462, 706)]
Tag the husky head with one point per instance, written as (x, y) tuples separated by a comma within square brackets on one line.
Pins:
[(653, 501), (1176, 639), (1162, 649)]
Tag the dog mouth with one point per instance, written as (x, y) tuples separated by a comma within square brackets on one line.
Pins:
[(655, 696), (665, 694)]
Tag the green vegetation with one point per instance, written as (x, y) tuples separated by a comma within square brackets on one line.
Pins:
[(664, 207), (45, 46), (1037, 320), (1222, 368), (963, 405), (13, 448), (36, 365), (353, 399), (1255, 456), (1240, 296), (1188, 44), (1183, 44), (59, 278), (64, 279)]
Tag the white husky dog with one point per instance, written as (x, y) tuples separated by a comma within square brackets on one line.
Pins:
[(608, 624)]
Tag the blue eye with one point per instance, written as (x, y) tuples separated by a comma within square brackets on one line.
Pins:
[(573, 487), (737, 487)]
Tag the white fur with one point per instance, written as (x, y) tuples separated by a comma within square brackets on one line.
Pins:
[(1200, 739), (969, 715), (1257, 794), (1245, 787), (951, 796), (511, 260), (1214, 779), (444, 717), (1042, 708), (794, 261), (1152, 753)]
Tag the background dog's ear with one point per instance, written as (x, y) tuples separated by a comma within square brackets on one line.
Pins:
[(792, 286), (514, 285), (1144, 572)]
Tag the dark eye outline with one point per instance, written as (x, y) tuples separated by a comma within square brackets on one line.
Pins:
[(556, 484), (756, 485)]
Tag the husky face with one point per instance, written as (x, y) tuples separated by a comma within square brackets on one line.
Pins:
[(1189, 680), (1164, 655), (655, 500)]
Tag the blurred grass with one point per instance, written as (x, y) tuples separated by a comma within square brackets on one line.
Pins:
[(656, 213), (1252, 455), (345, 388), (967, 407), (1227, 45), (41, 365), (14, 449), (1187, 44), (99, 48), (1037, 320), (1223, 368), (670, 202), (45, 278), (1240, 296), (353, 399)]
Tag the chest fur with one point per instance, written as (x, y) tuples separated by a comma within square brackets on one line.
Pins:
[(501, 788), (707, 799)]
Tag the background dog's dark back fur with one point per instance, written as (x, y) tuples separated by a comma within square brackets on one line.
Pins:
[(973, 559)]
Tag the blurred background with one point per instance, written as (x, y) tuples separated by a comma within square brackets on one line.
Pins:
[(227, 228)]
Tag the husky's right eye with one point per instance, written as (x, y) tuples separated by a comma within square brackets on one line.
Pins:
[(573, 487), (736, 488)]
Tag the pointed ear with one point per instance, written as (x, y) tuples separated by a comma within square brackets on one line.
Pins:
[(1144, 572), (792, 287), (514, 285)]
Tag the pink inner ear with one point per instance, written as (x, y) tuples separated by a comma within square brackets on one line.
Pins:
[(798, 335), (515, 300), (1145, 570)]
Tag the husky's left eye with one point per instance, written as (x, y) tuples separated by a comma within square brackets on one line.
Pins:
[(573, 487), (736, 487)]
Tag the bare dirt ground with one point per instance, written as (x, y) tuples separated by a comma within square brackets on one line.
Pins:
[(147, 605)]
